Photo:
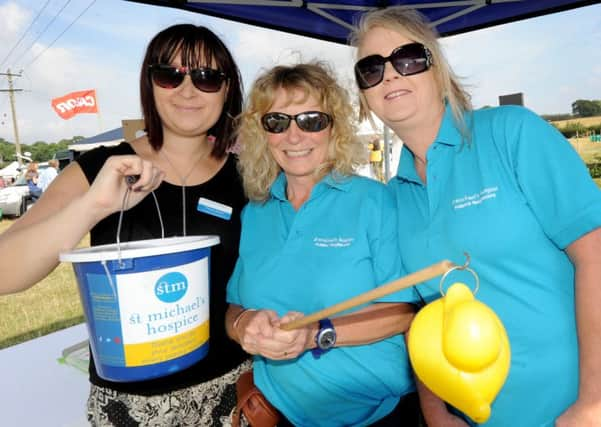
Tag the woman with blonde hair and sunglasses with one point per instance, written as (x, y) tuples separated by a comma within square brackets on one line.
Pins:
[(190, 91), (315, 234), (506, 187)]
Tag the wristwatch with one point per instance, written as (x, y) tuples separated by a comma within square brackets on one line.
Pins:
[(325, 338)]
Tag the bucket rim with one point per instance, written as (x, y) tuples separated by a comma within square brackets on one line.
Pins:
[(139, 248)]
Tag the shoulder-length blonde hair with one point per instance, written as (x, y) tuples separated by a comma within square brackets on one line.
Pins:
[(415, 26), (255, 162)]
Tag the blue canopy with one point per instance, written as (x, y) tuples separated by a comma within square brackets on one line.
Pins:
[(332, 20)]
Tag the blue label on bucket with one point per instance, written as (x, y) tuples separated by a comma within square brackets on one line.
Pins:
[(149, 320), (105, 315)]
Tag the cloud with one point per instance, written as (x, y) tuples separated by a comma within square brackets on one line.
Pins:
[(75, 63), (259, 49), (533, 57), (12, 19), (60, 71)]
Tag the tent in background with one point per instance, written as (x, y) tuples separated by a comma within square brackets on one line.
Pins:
[(129, 130), (108, 138)]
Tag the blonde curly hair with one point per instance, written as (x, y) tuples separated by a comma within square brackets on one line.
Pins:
[(257, 166)]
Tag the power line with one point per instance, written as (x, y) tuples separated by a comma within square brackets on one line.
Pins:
[(43, 31), (26, 31), (64, 31)]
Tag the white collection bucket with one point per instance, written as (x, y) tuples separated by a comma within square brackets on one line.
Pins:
[(146, 304)]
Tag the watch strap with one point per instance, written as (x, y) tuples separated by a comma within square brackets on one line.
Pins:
[(323, 324)]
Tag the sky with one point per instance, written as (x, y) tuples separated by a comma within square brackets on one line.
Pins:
[(553, 60)]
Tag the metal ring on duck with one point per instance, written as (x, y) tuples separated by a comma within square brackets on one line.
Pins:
[(460, 267)]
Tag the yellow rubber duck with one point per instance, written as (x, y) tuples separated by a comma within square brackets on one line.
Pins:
[(459, 349)]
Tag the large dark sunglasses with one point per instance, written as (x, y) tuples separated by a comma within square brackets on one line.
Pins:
[(407, 60), (308, 121), (204, 79)]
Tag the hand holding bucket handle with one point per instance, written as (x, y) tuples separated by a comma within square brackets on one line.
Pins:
[(131, 180), (111, 183)]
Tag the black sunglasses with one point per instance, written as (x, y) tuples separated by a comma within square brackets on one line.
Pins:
[(204, 79), (308, 121), (407, 60)]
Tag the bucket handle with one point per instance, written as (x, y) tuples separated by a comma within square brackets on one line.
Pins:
[(109, 277), (131, 180)]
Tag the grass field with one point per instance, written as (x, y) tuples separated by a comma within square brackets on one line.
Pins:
[(51, 305), (584, 121), (589, 151)]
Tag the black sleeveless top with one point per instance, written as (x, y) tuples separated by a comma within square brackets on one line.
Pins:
[(142, 222)]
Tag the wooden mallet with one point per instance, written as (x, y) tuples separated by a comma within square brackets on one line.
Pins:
[(396, 285)]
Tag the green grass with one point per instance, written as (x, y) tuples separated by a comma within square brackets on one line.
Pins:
[(49, 306)]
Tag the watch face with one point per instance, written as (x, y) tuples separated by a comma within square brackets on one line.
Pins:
[(327, 339)]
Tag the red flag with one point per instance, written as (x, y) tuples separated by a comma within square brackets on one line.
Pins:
[(74, 103)]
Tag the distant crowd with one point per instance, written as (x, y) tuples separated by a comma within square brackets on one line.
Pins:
[(37, 179)]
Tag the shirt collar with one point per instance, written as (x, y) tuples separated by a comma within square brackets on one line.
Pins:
[(331, 180), (448, 134)]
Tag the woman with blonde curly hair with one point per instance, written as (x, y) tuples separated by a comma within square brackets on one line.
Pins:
[(258, 166), (315, 234)]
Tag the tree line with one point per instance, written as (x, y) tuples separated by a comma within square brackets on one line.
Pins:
[(40, 151), (580, 108), (586, 108)]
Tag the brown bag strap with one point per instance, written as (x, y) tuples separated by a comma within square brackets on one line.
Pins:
[(244, 387), (251, 402)]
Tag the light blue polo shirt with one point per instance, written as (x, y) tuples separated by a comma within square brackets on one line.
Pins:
[(513, 199), (339, 244)]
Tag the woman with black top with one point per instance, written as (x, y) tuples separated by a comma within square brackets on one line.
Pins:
[(190, 91)]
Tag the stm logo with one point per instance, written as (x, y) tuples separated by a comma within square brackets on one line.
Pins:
[(171, 287)]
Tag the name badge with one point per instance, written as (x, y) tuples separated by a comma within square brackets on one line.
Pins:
[(214, 208)]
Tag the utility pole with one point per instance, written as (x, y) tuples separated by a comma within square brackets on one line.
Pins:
[(11, 94)]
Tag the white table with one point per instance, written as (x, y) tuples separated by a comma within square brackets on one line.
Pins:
[(36, 390)]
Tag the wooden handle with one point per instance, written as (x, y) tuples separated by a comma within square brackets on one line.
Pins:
[(396, 285)]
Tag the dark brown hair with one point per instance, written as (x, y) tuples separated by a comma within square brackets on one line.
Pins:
[(198, 47)]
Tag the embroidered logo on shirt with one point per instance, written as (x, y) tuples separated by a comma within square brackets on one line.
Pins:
[(333, 242), (476, 198)]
